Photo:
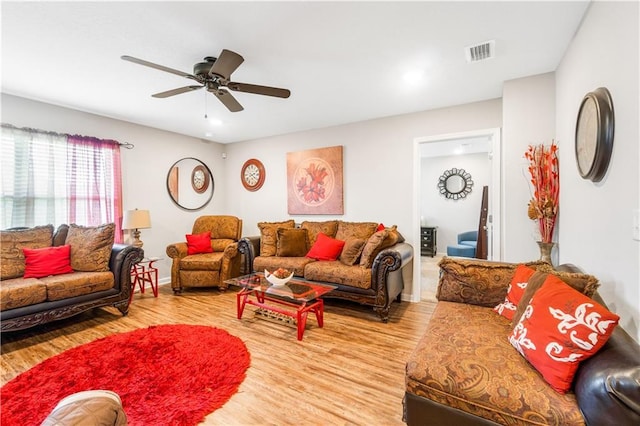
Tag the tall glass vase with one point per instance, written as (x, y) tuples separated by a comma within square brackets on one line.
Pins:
[(545, 251)]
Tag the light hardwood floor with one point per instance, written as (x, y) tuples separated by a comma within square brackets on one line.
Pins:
[(351, 372), (429, 276)]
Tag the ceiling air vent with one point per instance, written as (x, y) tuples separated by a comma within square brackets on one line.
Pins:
[(480, 52)]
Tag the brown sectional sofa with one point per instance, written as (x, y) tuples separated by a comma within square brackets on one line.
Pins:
[(464, 371), (369, 270), (103, 277)]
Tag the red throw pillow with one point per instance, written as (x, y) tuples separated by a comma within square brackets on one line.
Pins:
[(199, 243), (46, 261), (326, 248), (560, 328), (515, 291)]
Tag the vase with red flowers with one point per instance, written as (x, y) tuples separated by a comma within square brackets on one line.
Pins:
[(545, 181)]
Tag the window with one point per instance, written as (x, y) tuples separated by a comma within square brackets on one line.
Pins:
[(56, 178)]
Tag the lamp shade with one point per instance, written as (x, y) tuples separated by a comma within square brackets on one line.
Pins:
[(136, 219)]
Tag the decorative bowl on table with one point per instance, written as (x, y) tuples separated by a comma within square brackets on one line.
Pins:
[(279, 277)]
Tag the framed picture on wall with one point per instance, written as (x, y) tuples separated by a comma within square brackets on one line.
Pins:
[(314, 181)]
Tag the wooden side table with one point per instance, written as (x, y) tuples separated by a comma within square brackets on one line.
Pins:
[(144, 272)]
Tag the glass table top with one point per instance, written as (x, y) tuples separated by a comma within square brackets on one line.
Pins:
[(297, 289)]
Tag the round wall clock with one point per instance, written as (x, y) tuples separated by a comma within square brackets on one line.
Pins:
[(200, 179), (252, 174), (594, 134)]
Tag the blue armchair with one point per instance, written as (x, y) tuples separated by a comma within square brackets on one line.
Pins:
[(466, 247), (469, 238)]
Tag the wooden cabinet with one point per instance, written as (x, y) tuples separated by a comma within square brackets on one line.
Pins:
[(428, 240)]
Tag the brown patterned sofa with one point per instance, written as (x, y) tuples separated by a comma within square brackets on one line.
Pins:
[(464, 371), (368, 271), (208, 269), (101, 277)]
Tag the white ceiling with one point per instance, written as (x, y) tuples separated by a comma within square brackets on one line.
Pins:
[(343, 61)]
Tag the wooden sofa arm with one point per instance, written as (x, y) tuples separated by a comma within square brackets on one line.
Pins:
[(123, 257), (386, 276), (401, 252)]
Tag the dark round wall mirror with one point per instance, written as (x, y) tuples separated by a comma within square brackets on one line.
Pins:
[(190, 184), (455, 183)]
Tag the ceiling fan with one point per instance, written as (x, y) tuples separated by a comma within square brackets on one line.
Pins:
[(214, 74)]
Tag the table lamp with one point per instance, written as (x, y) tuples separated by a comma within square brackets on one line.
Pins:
[(136, 220)]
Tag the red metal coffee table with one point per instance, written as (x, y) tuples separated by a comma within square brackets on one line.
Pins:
[(298, 295)]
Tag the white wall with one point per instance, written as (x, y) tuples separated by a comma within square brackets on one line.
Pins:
[(596, 218), (144, 168), (529, 119), (378, 165), (453, 216)]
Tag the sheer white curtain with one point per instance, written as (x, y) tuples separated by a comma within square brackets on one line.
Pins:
[(34, 188), (51, 178)]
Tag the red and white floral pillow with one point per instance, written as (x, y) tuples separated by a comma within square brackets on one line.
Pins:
[(560, 328), (515, 291)]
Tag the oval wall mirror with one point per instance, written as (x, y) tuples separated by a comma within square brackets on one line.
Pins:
[(455, 183), (190, 184)]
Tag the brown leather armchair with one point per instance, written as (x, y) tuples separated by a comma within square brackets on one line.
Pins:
[(208, 269)]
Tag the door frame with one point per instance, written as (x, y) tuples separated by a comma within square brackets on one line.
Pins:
[(496, 202)]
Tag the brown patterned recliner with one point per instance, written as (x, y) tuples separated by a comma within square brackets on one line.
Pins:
[(208, 269)]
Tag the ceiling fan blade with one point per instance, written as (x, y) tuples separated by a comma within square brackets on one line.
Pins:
[(226, 64), (259, 90), (174, 92), (158, 67), (227, 99)]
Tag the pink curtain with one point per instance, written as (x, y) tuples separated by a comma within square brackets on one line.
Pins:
[(94, 182)]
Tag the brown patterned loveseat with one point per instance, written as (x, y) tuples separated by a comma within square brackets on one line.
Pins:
[(208, 269), (368, 270), (464, 371), (101, 275)]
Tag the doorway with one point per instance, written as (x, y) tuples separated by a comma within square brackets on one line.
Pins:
[(481, 151)]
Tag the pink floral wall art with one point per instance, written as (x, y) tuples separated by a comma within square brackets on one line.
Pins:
[(314, 181)]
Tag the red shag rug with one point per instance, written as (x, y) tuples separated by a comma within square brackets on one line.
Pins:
[(165, 375)]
